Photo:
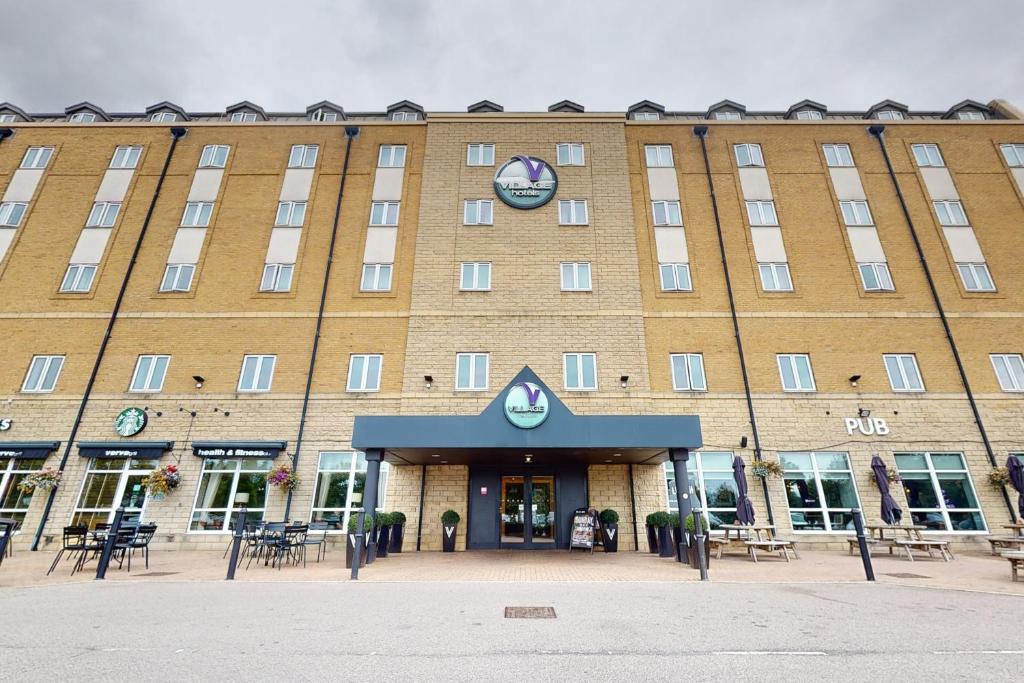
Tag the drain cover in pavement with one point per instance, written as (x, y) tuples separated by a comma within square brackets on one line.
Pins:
[(159, 574), (907, 575), (529, 612)]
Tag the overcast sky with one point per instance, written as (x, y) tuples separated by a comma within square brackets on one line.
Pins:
[(524, 54)]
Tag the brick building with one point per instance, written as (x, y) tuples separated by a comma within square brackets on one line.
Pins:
[(849, 288)]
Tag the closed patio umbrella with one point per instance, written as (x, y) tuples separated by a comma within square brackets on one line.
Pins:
[(1016, 469), (891, 512), (744, 508)]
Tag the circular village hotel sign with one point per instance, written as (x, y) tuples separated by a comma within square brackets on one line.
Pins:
[(526, 405), (525, 182)]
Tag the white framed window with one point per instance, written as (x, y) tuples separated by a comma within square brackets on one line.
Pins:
[(37, 157), (970, 115), (163, 117), (688, 372), (257, 373), (976, 277), (646, 116), (376, 277), (78, 278), (197, 214), (324, 116), (126, 156), (11, 213), (950, 212), (748, 155), (471, 371), (658, 156), (103, 215), (727, 116), (303, 156), (214, 156), (177, 277), (243, 117), (889, 115), (713, 485), (927, 155), (480, 154), (478, 212), (1014, 154), (569, 153), (675, 277), (580, 371), (8, 118), (149, 374), (111, 483), (795, 371), (391, 156), (214, 509), (42, 374), (809, 115), (666, 213), (821, 491), (291, 214), (405, 116), (384, 213), (856, 212), (838, 155), (940, 493), (775, 277), (338, 477), (475, 276), (762, 212), (572, 212), (82, 117), (14, 503), (576, 277), (364, 372), (904, 375), (1009, 369), (876, 277), (277, 277)]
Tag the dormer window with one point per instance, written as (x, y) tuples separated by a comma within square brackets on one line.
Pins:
[(325, 112), (8, 118), (405, 116), (809, 115), (163, 117), (890, 115), (807, 110), (970, 115), (324, 116), (727, 116), (646, 116), (82, 117), (243, 117), (405, 111)]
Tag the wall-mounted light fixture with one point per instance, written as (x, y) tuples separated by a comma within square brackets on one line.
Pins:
[(854, 379), (863, 412), (428, 380), (200, 380), (624, 380), (743, 442), (528, 457)]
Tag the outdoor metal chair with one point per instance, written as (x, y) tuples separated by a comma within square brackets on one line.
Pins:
[(316, 535), (267, 542), (291, 546), (143, 535), (74, 541), (123, 545)]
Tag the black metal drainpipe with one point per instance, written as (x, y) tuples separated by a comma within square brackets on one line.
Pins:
[(351, 132), (701, 132), (878, 132), (176, 134)]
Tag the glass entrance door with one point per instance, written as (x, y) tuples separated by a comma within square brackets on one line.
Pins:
[(527, 511)]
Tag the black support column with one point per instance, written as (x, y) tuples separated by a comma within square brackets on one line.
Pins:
[(679, 457), (373, 459)]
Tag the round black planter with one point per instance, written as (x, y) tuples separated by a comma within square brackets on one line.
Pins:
[(383, 540), (350, 552), (448, 533), (610, 537), (652, 539), (691, 550), (665, 548), (677, 539), (397, 532)]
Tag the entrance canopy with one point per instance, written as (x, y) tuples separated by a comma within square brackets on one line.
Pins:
[(526, 418)]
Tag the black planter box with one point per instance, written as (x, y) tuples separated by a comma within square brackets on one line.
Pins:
[(677, 540), (691, 549), (448, 533), (371, 546), (610, 537), (397, 533), (350, 552), (383, 540), (652, 539), (665, 548)]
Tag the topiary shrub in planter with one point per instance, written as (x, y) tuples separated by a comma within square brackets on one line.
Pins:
[(350, 540), (660, 521), (384, 521), (652, 535), (449, 525), (691, 541), (397, 532), (610, 530)]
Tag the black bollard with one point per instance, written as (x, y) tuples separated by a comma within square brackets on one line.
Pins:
[(698, 533), (865, 554), (108, 546), (357, 548), (236, 543)]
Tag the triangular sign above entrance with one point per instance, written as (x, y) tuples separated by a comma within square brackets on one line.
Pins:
[(520, 405)]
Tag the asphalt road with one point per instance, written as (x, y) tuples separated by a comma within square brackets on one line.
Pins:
[(445, 631)]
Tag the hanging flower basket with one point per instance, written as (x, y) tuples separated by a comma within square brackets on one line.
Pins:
[(766, 469), (283, 478), (45, 479), (162, 481), (892, 475), (999, 476)]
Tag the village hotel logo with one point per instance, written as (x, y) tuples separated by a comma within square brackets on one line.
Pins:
[(525, 182), (526, 405)]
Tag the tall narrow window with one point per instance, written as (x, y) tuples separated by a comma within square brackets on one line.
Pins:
[(177, 277), (927, 155), (471, 370), (78, 278), (570, 153), (37, 157), (257, 373), (291, 214), (1009, 369), (303, 156), (675, 277), (480, 155), (475, 276), (126, 157), (217, 497), (478, 212), (939, 491), (904, 374), (149, 374), (111, 483), (762, 213), (688, 372), (364, 372), (277, 277), (42, 374), (748, 155), (214, 156), (576, 277), (376, 277), (775, 277), (976, 277), (103, 215), (658, 156), (950, 212), (821, 491), (197, 214), (795, 370), (876, 277), (838, 155), (580, 371), (384, 213), (391, 156), (666, 213), (572, 211), (856, 212), (11, 214)]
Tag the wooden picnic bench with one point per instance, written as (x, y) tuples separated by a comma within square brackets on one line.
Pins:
[(1000, 543), (767, 542), (1016, 559), (910, 541)]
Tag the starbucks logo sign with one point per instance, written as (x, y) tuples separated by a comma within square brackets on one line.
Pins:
[(525, 182), (130, 421), (526, 405)]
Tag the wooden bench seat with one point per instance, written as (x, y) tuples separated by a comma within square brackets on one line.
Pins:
[(928, 546), (998, 543), (1016, 564), (872, 544), (773, 545), (717, 545)]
